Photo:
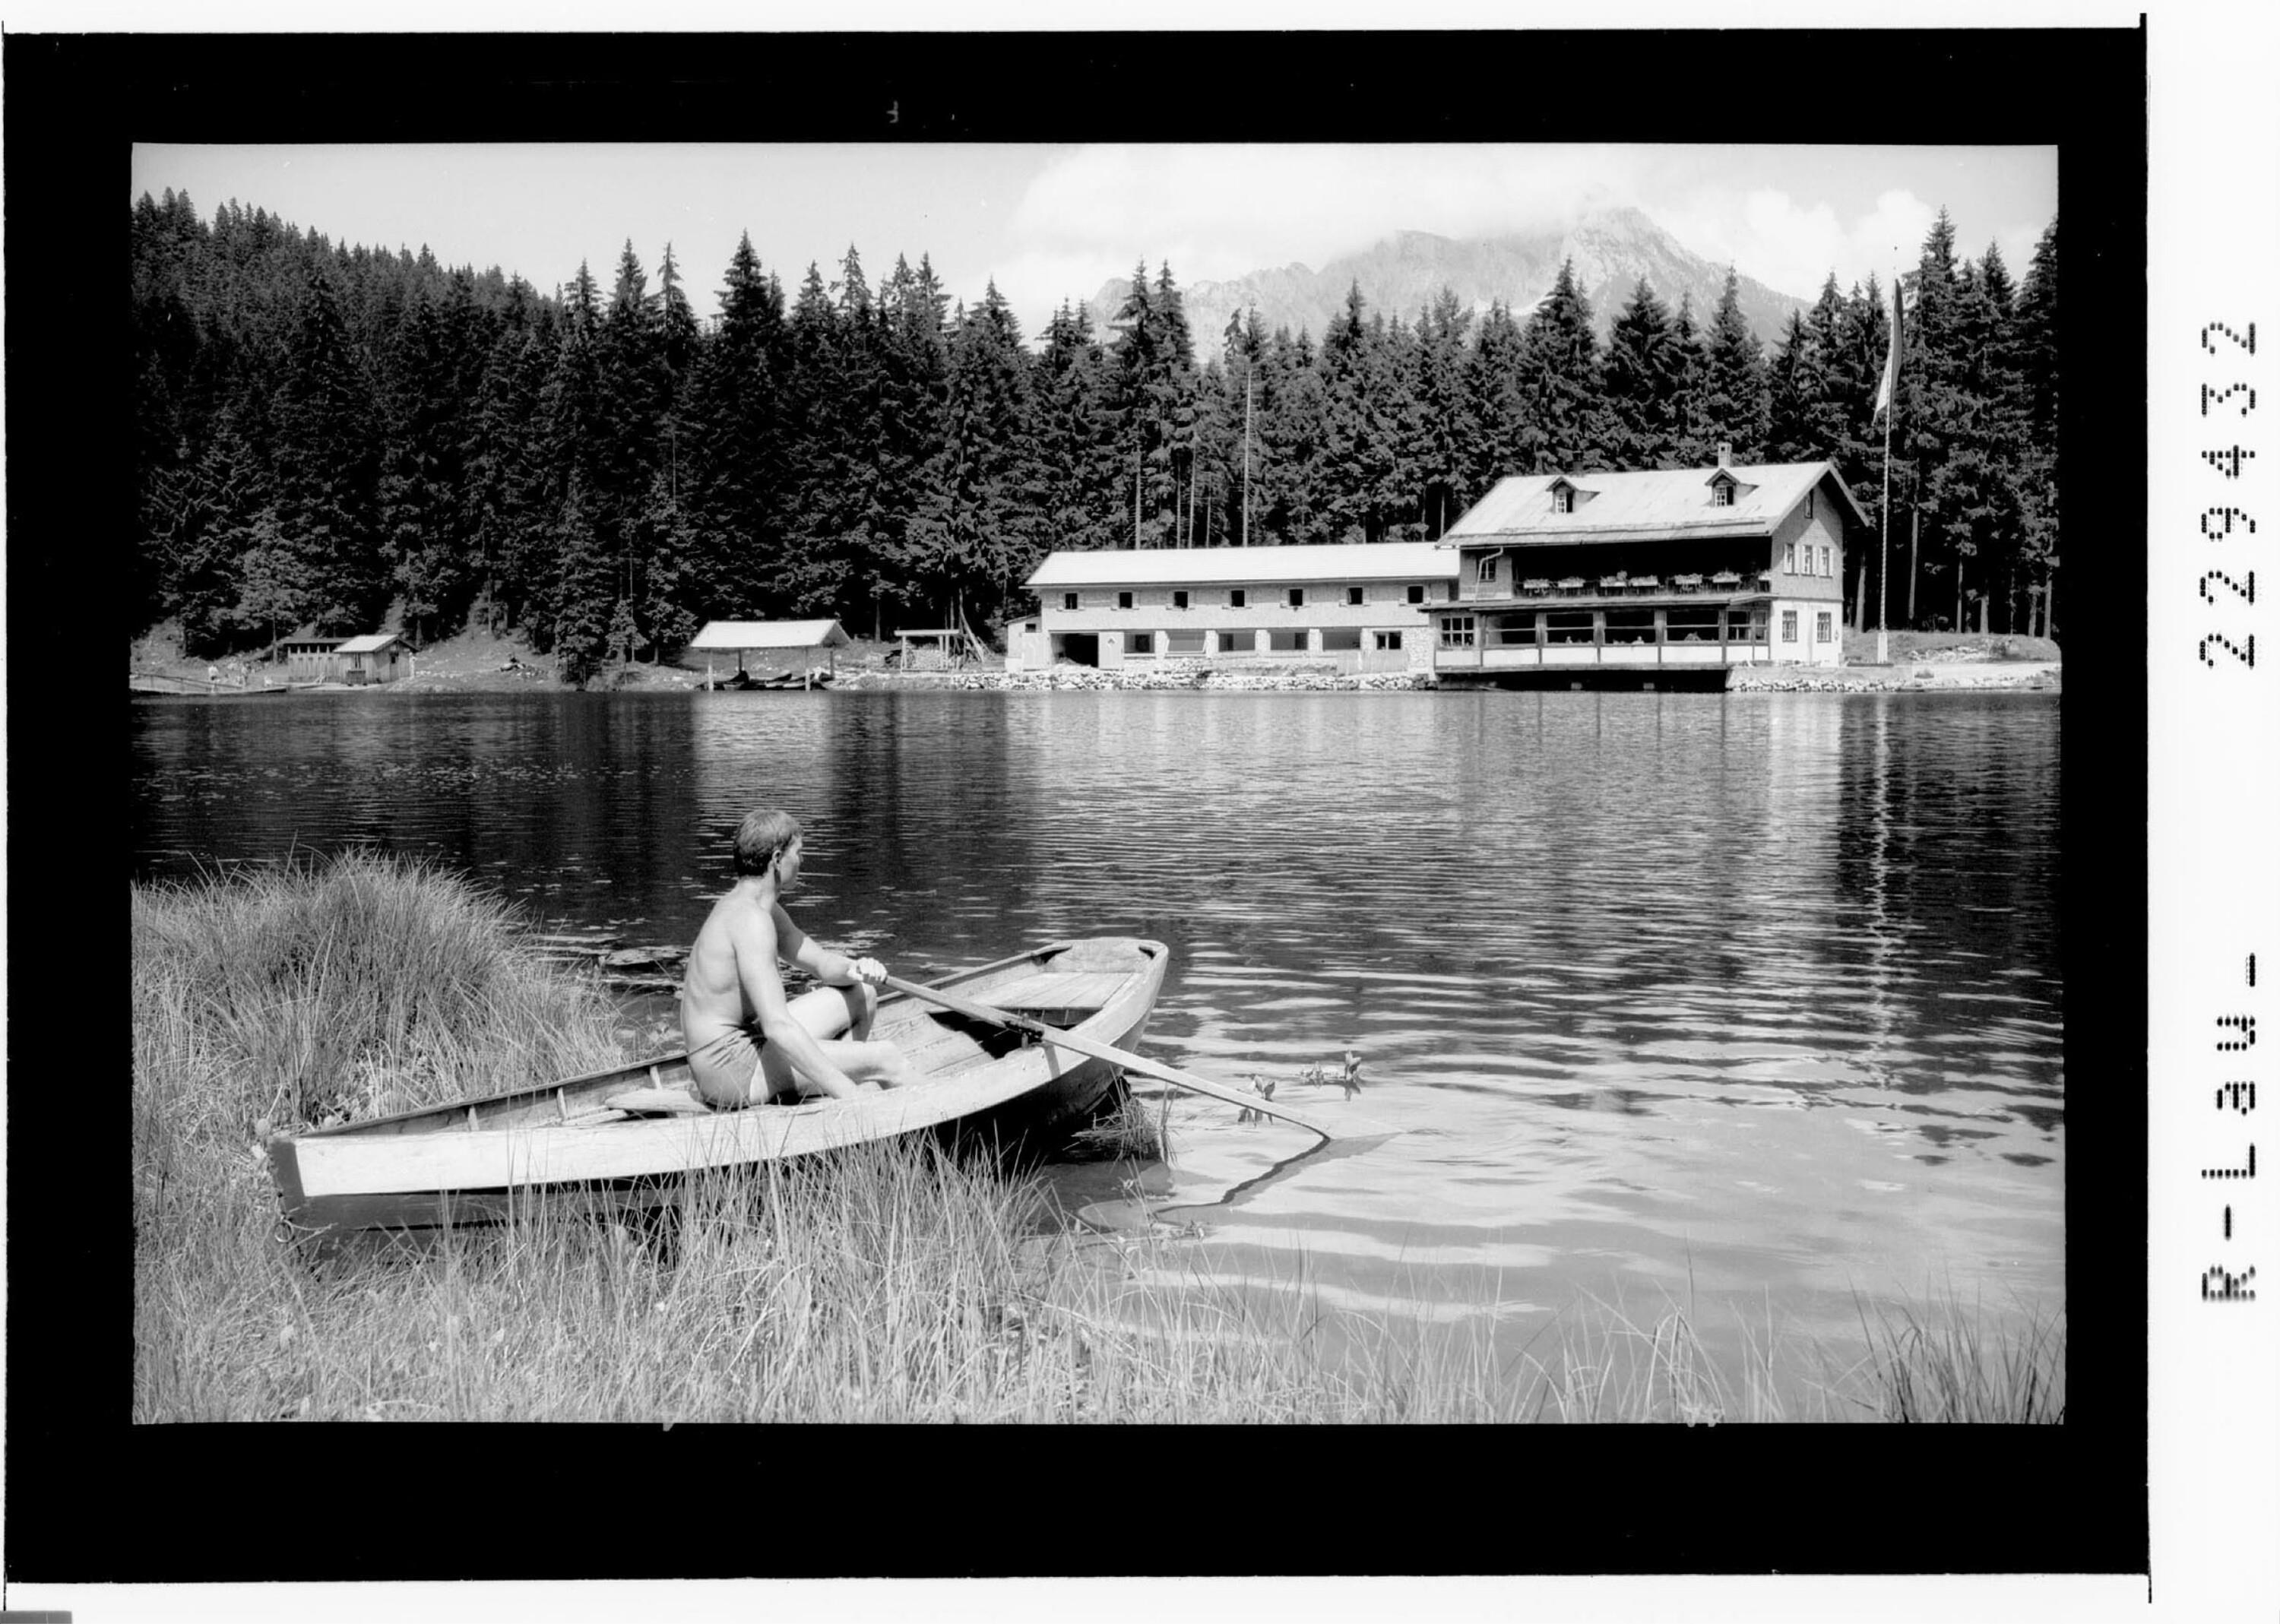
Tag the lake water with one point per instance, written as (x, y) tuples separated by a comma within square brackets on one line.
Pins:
[(1750, 1002)]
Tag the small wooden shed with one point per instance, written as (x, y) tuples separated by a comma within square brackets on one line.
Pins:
[(379, 656), (784, 651)]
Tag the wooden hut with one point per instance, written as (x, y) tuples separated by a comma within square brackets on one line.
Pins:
[(379, 656), (771, 653)]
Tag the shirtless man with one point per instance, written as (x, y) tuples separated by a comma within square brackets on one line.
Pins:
[(747, 1042)]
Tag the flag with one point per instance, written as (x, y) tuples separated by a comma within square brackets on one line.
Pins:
[(1891, 381)]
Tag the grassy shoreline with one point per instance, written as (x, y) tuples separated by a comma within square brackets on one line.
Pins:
[(896, 1283)]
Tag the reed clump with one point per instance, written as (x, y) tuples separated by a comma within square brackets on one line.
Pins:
[(348, 986), (1133, 1129)]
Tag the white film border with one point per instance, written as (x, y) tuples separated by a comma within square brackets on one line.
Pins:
[(2212, 622)]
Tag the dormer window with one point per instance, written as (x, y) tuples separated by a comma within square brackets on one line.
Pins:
[(1563, 498), (1485, 571), (1722, 492)]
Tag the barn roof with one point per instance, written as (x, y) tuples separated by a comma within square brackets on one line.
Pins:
[(1238, 565), (1644, 506), (771, 635), (371, 642)]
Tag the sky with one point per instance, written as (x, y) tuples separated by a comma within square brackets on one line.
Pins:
[(1052, 223)]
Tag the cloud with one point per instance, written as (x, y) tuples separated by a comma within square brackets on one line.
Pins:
[(1217, 211), (1791, 247)]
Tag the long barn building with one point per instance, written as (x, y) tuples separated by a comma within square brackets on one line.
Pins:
[(1360, 608)]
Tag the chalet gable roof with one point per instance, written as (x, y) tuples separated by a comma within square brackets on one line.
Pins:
[(1646, 505)]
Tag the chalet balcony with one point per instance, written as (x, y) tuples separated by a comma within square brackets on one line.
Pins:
[(1603, 591), (1602, 630)]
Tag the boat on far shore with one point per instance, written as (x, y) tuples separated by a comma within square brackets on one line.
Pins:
[(625, 1139)]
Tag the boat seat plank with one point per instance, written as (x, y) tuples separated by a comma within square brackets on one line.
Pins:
[(668, 1102), (1121, 955), (1056, 989)]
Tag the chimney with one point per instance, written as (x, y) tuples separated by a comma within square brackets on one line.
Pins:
[(1725, 453)]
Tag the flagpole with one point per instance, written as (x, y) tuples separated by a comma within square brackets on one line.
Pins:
[(1891, 410), (1884, 556)]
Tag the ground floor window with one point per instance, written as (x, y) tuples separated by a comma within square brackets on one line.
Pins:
[(1569, 626), (1184, 643), (1385, 641), (1630, 626), (1516, 632), (1346, 638), (1287, 641), (1824, 625), (1746, 626), (1458, 631), (1690, 625), (1788, 626), (1141, 643)]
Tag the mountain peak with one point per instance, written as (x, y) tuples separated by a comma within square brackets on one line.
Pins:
[(1612, 246)]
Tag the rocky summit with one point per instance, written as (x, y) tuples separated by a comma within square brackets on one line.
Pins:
[(1401, 276)]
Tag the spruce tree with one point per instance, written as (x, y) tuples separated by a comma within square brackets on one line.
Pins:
[(1359, 451), (736, 460), (1293, 440), (420, 486), (1566, 426), (329, 468), (1643, 383), (977, 535), (1694, 443), (2037, 357), (583, 596), (1073, 434), (1435, 437), (915, 367), (1497, 415), (1735, 400), (1796, 386)]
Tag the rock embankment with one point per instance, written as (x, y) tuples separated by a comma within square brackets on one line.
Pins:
[(2034, 676)]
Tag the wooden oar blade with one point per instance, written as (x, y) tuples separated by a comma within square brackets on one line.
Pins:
[(1132, 1062)]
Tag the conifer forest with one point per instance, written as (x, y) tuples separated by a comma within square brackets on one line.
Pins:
[(335, 437)]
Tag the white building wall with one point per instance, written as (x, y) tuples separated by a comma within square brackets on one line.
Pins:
[(1225, 630)]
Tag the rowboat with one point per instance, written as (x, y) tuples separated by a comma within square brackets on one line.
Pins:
[(625, 1138)]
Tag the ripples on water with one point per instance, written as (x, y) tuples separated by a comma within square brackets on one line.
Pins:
[(1753, 998)]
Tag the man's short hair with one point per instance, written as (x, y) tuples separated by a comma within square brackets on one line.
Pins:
[(760, 836)]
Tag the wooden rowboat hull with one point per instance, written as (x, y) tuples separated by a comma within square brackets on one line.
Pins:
[(481, 1159)]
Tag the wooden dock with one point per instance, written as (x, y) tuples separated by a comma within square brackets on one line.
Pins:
[(157, 684)]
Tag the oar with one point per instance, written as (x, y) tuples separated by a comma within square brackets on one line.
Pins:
[(1132, 1062)]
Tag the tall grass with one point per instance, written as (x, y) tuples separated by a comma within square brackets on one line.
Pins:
[(893, 1282)]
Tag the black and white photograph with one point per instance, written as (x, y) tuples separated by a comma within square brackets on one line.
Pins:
[(1428, 709), (1231, 803)]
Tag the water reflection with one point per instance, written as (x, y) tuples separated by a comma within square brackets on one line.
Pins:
[(1753, 996)]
